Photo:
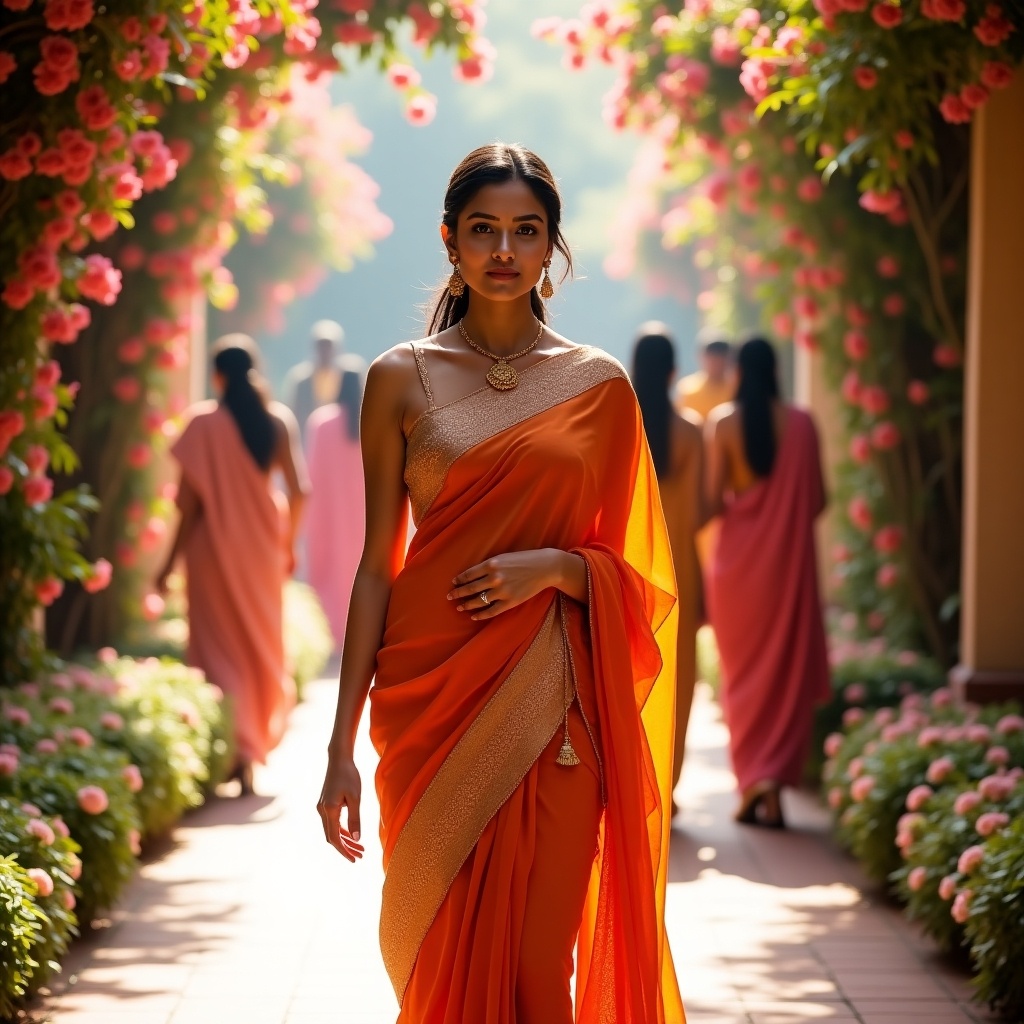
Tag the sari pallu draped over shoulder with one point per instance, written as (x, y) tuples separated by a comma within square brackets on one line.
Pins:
[(461, 711)]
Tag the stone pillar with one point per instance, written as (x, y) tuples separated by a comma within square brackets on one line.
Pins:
[(992, 586), (813, 393)]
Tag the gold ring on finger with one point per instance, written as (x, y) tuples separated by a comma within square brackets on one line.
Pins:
[(484, 597)]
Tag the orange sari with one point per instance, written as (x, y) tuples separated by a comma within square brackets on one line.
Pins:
[(468, 718)]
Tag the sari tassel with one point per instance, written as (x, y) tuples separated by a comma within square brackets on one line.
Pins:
[(567, 756)]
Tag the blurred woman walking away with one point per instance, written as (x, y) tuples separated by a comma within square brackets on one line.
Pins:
[(765, 481), (677, 449), (237, 533), (335, 520)]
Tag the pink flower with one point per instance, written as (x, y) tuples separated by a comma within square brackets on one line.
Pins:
[(886, 15), (947, 356), (93, 799), (7, 65), (68, 899), (131, 774), (80, 737), (994, 28), (112, 720), (977, 732), (996, 75), (421, 109), (939, 770), (61, 706), (943, 10), (6, 479), (16, 715), (874, 400), (885, 436), (970, 859), (38, 828), (991, 821), (866, 77), (855, 693), (974, 95), (918, 392), (888, 540), (31, 810), (100, 281), (43, 882), (833, 744), (836, 796), (48, 590), (881, 202), (1010, 724), (998, 756), (99, 578), (966, 802), (861, 788), (954, 110), (962, 906), (47, 746), (8, 763), (916, 878), (38, 490), (853, 717), (859, 512), (754, 76), (860, 449), (135, 841), (63, 831), (918, 797), (127, 389), (152, 607), (139, 455), (894, 304), (996, 787), (947, 887), (930, 735), (403, 76)]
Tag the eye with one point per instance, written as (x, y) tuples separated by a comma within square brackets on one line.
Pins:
[(527, 229), (480, 228)]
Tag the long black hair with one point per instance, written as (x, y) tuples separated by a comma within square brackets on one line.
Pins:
[(236, 358), (654, 362), (350, 396), (757, 391), (494, 165)]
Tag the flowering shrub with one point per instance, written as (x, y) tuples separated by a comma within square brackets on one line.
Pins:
[(810, 160), (44, 850), (158, 113), (992, 923), (108, 753), (931, 796), (21, 925)]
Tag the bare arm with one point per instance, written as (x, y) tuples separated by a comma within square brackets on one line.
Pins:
[(190, 508), (383, 447)]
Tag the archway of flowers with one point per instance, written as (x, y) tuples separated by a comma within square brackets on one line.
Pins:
[(136, 142), (811, 160)]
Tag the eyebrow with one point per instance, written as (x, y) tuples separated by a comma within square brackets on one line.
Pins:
[(515, 220)]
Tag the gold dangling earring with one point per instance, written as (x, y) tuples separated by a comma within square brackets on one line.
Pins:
[(547, 289), (456, 283)]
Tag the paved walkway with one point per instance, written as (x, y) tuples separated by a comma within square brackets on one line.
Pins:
[(248, 917)]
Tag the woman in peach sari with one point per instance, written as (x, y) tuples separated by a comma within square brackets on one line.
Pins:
[(521, 652), (237, 533)]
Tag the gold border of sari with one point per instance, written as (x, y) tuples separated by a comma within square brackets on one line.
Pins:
[(478, 776), (442, 435)]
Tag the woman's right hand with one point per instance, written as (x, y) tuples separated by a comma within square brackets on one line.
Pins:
[(342, 788)]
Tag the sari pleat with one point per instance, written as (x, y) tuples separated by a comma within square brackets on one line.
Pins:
[(468, 717)]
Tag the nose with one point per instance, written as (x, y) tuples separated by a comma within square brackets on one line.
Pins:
[(503, 251)]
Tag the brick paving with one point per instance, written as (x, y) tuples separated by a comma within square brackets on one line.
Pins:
[(248, 916)]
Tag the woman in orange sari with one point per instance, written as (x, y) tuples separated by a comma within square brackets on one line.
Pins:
[(521, 651)]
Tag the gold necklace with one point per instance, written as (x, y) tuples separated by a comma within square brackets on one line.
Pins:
[(501, 376)]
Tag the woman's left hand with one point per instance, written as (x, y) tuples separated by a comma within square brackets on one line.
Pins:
[(504, 581)]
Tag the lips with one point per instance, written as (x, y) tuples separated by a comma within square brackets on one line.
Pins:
[(503, 275)]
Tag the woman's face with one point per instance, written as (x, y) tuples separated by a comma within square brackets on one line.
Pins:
[(501, 240)]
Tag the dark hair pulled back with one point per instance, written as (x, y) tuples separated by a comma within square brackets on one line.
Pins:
[(496, 164), (654, 362), (758, 389), (350, 397), (236, 359)]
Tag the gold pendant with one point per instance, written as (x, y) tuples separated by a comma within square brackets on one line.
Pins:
[(502, 377), (567, 757)]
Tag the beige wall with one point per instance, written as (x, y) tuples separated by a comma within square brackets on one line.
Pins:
[(811, 392), (992, 632)]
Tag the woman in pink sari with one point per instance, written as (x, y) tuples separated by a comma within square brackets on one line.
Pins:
[(237, 534), (335, 519), (765, 481)]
